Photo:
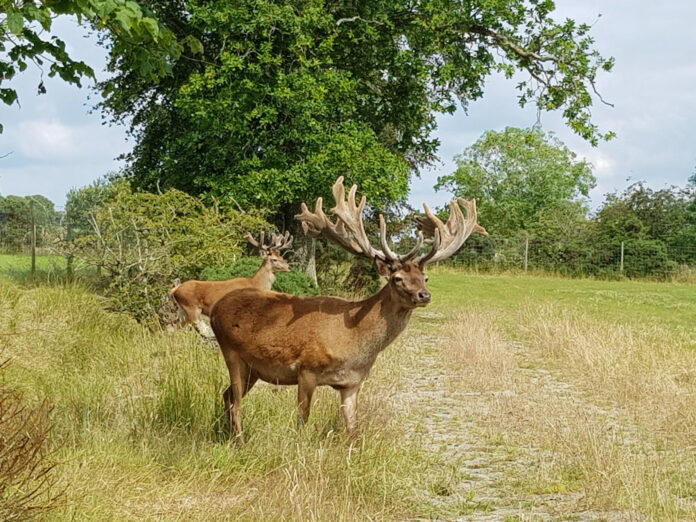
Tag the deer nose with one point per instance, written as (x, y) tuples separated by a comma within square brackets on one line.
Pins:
[(424, 296)]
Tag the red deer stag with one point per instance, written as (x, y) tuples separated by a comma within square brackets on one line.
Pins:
[(329, 341), (196, 298)]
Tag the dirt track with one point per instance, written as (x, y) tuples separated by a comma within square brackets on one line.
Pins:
[(466, 428)]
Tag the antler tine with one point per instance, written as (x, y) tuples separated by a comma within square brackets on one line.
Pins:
[(388, 252), (435, 246), (350, 218), (412, 253), (251, 240), (281, 242), (317, 223), (383, 240), (451, 235)]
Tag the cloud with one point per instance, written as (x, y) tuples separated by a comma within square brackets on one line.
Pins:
[(47, 140)]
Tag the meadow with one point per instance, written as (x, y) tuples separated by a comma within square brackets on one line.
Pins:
[(507, 398)]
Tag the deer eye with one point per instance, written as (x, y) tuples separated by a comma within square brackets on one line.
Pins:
[(398, 278), (425, 279)]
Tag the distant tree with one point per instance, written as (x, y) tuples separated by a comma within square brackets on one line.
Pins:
[(519, 177), (288, 95), (639, 213), (17, 213), (26, 38)]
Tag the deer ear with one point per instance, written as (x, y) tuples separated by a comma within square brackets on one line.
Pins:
[(383, 268)]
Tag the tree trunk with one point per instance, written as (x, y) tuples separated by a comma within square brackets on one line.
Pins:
[(311, 268)]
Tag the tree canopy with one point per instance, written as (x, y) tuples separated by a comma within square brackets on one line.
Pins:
[(26, 38), (519, 177), (18, 215), (640, 213), (285, 96)]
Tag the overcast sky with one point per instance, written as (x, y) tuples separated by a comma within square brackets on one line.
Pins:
[(57, 145)]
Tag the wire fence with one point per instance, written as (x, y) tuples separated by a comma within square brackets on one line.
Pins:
[(634, 258), (36, 233)]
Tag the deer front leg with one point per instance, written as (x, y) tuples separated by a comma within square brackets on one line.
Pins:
[(241, 381), (306, 383), (349, 409)]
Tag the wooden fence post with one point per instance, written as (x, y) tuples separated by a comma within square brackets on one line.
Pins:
[(68, 239), (526, 252), (33, 239)]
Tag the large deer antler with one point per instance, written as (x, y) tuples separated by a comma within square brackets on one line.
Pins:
[(448, 237), (278, 241), (348, 231)]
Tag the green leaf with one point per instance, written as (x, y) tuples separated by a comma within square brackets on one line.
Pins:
[(152, 27), (8, 96), (15, 21), (194, 44)]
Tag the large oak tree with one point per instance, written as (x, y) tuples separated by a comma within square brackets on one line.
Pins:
[(286, 95)]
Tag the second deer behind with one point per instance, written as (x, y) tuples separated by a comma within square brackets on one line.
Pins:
[(196, 298)]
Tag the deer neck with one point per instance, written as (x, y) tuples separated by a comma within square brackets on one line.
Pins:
[(264, 276), (384, 317)]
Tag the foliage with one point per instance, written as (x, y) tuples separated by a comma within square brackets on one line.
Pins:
[(25, 457), (245, 266), (151, 45), (647, 257), (143, 241), (288, 95), (667, 216), (17, 214), (293, 282), (518, 176)]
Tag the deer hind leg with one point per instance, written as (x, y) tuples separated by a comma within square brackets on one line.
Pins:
[(203, 328), (306, 384), (193, 315), (349, 409)]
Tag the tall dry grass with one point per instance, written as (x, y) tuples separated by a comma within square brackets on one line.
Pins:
[(604, 413), (140, 432)]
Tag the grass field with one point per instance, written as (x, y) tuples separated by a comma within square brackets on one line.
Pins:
[(508, 398)]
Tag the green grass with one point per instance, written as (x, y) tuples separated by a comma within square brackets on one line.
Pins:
[(22, 263), (669, 305), (138, 420)]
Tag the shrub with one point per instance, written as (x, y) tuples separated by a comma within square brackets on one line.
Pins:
[(243, 267), (25, 459), (294, 282), (140, 242), (647, 257)]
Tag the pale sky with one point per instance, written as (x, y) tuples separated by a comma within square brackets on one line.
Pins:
[(56, 145)]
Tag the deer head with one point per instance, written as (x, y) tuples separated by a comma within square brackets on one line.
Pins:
[(405, 272), (271, 253)]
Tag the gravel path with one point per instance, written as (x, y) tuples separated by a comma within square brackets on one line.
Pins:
[(453, 422)]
